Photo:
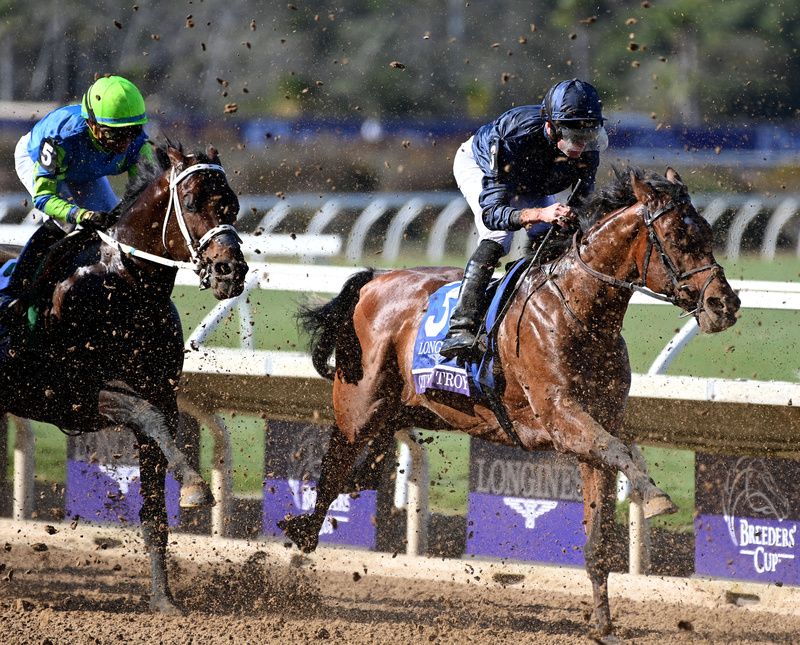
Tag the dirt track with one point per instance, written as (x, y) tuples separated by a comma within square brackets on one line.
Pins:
[(93, 590)]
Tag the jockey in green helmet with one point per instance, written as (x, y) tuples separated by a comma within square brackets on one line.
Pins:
[(64, 163)]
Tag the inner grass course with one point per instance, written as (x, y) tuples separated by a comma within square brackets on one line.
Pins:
[(761, 346)]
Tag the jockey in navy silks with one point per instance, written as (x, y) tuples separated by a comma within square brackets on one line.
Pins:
[(64, 163), (508, 172)]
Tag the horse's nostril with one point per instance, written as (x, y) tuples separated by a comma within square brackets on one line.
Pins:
[(222, 268), (714, 304)]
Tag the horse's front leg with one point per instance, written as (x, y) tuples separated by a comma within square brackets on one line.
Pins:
[(574, 430), (128, 408), (598, 514)]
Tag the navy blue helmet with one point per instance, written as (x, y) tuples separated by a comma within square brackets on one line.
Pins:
[(573, 100)]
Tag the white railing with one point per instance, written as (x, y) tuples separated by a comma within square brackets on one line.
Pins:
[(285, 384), (345, 224)]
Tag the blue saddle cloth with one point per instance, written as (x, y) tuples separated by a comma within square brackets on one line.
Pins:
[(432, 371)]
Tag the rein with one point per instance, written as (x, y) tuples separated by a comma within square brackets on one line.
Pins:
[(195, 248), (672, 271)]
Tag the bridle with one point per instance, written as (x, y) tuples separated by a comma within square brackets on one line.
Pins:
[(676, 276), (195, 248)]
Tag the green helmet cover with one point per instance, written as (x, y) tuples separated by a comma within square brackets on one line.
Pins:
[(114, 102)]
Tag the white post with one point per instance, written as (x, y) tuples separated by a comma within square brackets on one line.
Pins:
[(638, 527), (637, 555), (24, 469), (417, 512), (221, 466), (221, 477), (403, 474)]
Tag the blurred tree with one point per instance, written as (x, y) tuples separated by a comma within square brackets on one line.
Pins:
[(681, 59)]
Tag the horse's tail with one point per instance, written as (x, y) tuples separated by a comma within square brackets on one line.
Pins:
[(330, 327)]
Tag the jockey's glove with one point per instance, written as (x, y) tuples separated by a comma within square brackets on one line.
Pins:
[(97, 220)]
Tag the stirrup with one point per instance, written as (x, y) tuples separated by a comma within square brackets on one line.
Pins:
[(8, 304), (458, 346)]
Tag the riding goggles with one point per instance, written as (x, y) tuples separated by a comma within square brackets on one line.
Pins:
[(117, 135), (588, 138)]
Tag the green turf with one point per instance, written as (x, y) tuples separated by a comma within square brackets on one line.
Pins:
[(760, 346)]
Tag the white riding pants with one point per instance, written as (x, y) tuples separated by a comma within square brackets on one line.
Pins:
[(469, 178)]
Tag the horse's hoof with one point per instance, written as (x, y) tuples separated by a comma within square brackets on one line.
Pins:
[(196, 496), (165, 606), (302, 530), (659, 505), (607, 639)]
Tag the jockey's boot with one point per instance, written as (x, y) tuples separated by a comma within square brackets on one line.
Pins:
[(26, 268), (468, 312)]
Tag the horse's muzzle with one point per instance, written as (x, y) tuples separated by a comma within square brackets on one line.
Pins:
[(227, 278), (719, 310)]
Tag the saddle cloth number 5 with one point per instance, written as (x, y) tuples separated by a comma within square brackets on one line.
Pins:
[(433, 327)]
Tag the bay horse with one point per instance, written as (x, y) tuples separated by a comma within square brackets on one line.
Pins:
[(565, 363), (107, 348)]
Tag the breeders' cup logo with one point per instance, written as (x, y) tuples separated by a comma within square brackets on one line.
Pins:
[(752, 492), (303, 464), (530, 509), (304, 457), (305, 496)]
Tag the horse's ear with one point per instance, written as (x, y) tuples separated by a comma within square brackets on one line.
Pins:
[(162, 157), (674, 177), (176, 158), (643, 192), (213, 154)]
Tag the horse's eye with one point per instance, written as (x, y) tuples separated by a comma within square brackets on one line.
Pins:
[(188, 203)]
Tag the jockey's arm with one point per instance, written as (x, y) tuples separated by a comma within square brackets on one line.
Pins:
[(497, 214), (145, 153), (49, 169)]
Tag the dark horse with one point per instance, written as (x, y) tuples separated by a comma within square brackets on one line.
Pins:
[(107, 350), (565, 362)]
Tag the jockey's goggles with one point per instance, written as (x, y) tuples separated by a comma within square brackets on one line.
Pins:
[(117, 135), (590, 136)]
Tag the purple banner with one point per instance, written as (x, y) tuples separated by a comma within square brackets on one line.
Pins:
[(350, 520), (292, 460), (111, 493), (524, 505), (748, 511), (747, 548), (526, 529)]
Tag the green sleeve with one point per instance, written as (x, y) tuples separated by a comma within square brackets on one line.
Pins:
[(146, 154), (46, 199)]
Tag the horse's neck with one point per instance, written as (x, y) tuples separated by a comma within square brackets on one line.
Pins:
[(140, 227), (610, 249)]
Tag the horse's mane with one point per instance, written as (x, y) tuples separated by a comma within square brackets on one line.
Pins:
[(619, 193), (611, 197), (147, 171)]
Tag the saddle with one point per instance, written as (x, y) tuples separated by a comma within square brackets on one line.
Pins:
[(21, 310), (481, 373)]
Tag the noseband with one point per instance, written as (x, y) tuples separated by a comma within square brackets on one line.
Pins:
[(195, 248), (676, 276)]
